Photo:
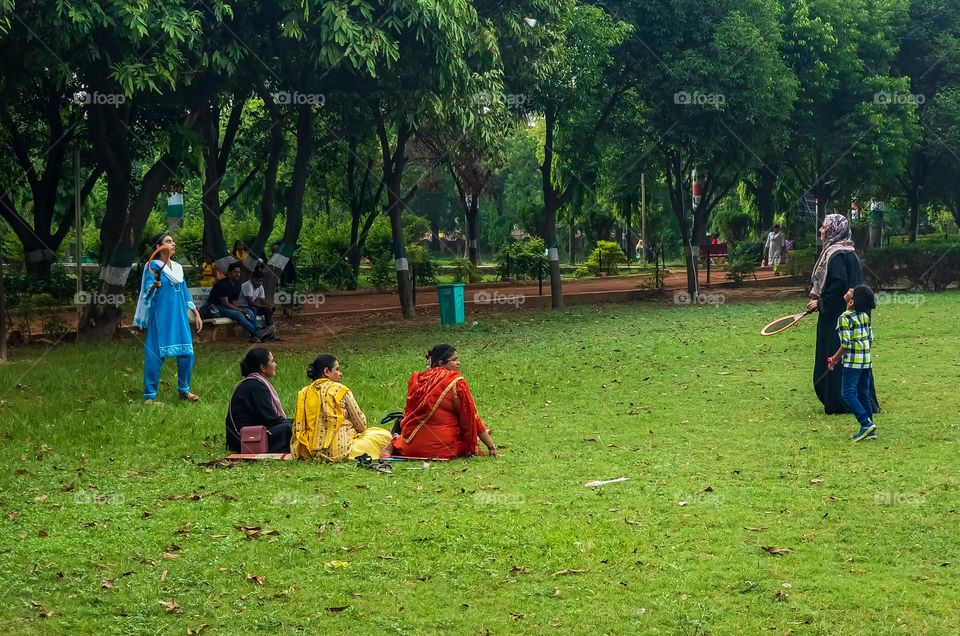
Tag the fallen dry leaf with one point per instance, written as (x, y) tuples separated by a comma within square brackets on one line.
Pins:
[(515, 616), (13, 515), (185, 529), (387, 557), (565, 572), (255, 532), (40, 498), (816, 480), (171, 605), (192, 631), (42, 534), (631, 522), (339, 609), (106, 585), (259, 580), (518, 570), (170, 555), (760, 529), (775, 551), (163, 577)]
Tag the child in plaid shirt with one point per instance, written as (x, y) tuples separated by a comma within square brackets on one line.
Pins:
[(856, 336)]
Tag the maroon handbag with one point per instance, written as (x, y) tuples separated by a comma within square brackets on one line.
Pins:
[(254, 439)]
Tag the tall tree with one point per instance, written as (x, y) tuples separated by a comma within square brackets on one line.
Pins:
[(41, 123), (715, 91), (137, 52), (929, 55), (848, 129), (577, 88)]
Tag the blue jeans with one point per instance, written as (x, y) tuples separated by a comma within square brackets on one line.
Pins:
[(856, 393), (240, 318)]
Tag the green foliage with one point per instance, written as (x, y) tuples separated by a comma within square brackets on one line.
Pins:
[(59, 288), (382, 273), (425, 269), (190, 241), (156, 224), (742, 261), (800, 263), (927, 265), (324, 248), (241, 227), (606, 259), (736, 227), (522, 260), (465, 272)]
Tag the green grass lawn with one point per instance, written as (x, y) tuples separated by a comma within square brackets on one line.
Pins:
[(109, 515)]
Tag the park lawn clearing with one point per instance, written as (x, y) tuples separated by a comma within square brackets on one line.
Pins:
[(746, 509)]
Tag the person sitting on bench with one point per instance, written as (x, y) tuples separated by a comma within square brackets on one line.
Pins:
[(255, 403), (253, 297), (225, 294)]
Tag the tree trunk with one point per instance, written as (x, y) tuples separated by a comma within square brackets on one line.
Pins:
[(915, 202), (676, 186), (473, 239), (267, 197), (394, 164), (213, 238), (551, 204), (435, 245), (763, 193), (102, 316), (298, 181)]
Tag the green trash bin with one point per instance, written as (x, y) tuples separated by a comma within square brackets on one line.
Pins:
[(450, 298)]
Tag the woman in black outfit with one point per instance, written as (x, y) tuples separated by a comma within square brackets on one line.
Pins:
[(255, 403), (836, 271)]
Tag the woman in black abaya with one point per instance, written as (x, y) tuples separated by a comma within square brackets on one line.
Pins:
[(836, 271)]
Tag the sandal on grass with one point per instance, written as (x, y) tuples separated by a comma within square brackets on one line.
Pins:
[(365, 461), (189, 397)]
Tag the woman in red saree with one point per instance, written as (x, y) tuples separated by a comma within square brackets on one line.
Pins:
[(440, 419)]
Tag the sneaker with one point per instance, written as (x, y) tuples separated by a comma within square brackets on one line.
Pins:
[(864, 432), (872, 435), (266, 332)]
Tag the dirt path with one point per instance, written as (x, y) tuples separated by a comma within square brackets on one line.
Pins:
[(317, 329), (326, 316)]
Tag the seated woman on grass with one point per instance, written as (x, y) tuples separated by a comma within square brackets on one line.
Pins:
[(440, 419), (255, 403), (329, 425)]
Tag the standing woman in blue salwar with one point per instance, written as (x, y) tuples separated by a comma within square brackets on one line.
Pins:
[(162, 310)]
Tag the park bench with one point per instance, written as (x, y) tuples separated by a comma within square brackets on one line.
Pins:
[(711, 251), (211, 326)]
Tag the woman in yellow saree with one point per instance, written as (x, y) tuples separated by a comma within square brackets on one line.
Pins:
[(328, 424)]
